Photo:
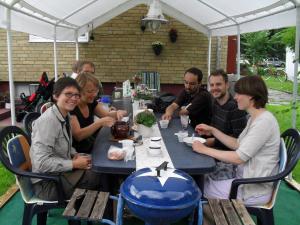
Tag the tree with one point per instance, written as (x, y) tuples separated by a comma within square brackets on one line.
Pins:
[(256, 46), (288, 36)]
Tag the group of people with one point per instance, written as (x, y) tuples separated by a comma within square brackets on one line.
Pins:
[(63, 136), (241, 134)]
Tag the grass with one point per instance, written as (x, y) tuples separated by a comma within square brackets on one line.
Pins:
[(286, 86), (283, 114), (6, 181)]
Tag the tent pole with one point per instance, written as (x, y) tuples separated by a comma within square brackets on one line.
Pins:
[(10, 68), (296, 63), (55, 55), (295, 85), (209, 54), (238, 56), (76, 45), (219, 47)]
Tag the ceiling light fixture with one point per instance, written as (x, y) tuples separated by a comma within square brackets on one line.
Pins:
[(154, 17), (92, 38)]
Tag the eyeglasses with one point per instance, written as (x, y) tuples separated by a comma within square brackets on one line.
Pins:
[(70, 95), (190, 83)]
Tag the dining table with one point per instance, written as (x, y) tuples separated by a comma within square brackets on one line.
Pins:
[(181, 155)]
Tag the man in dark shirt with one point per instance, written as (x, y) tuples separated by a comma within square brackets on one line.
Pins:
[(193, 100), (227, 118)]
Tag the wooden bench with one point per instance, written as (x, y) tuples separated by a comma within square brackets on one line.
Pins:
[(87, 205), (226, 212)]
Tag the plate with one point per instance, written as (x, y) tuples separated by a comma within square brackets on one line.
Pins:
[(189, 140)]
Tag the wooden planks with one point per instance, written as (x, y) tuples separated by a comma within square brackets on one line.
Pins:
[(86, 205), (225, 212), (242, 212)]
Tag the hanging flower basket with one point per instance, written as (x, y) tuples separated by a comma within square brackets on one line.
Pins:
[(157, 47), (173, 35)]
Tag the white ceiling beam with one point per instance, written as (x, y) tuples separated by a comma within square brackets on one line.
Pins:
[(170, 11), (42, 13), (119, 9), (76, 11), (31, 15)]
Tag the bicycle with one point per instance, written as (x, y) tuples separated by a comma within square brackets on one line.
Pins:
[(277, 73)]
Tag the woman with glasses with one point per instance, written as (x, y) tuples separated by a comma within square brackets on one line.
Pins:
[(84, 126), (256, 150), (51, 149)]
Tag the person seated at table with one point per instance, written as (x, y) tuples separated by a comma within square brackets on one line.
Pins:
[(256, 149), (84, 126), (193, 100), (227, 118), (51, 149)]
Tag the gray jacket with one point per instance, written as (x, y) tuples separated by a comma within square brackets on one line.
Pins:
[(51, 149)]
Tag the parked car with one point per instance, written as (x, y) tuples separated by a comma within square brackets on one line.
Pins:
[(273, 61)]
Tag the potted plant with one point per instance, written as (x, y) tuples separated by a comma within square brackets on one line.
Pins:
[(173, 35), (157, 47), (145, 120)]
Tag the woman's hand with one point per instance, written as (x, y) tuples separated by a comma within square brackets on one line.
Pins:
[(198, 147), (204, 129), (82, 162), (106, 121), (120, 114)]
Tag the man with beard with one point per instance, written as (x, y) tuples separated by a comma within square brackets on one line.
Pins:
[(193, 100), (227, 118)]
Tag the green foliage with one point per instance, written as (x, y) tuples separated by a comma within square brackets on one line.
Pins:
[(146, 118), (287, 36), (256, 46)]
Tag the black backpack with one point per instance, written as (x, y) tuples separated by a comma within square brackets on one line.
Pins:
[(163, 101)]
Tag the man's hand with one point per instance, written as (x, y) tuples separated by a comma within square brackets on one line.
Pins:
[(204, 129), (166, 116)]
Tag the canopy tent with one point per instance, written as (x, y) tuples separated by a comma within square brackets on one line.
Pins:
[(66, 20)]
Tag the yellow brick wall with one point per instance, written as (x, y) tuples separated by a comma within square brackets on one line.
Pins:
[(119, 51)]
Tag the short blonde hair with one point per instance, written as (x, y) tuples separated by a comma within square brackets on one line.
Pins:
[(83, 78)]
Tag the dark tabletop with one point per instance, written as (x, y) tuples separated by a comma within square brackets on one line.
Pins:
[(182, 156)]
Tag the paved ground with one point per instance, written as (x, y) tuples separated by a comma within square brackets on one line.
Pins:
[(280, 97)]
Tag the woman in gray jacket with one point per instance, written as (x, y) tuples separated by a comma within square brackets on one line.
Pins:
[(51, 149)]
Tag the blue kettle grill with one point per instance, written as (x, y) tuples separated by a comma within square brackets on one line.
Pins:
[(160, 196)]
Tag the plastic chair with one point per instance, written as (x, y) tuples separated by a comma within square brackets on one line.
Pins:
[(151, 79), (290, 144), (45, 106), (27, 122), (14, 155)]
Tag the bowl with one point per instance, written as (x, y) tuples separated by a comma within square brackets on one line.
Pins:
[(164, 124), (189, 140)]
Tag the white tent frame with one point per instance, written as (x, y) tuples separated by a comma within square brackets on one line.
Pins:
[(229, 25)]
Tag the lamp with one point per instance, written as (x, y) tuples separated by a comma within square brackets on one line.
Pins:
[(154, 17)]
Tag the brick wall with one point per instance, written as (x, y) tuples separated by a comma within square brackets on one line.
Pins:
[(120, 50)]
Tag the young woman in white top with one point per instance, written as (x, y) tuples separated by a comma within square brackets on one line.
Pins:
[(256, 149)]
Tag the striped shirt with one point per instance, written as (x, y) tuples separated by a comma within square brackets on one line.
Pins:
[(228, 119)]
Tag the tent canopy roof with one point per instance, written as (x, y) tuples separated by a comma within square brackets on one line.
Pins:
[(211, 17)]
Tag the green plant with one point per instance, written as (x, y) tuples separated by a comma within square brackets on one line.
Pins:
[(157, 44), (146, 118)]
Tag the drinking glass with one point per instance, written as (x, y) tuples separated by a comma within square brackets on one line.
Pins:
[(184, 119)]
